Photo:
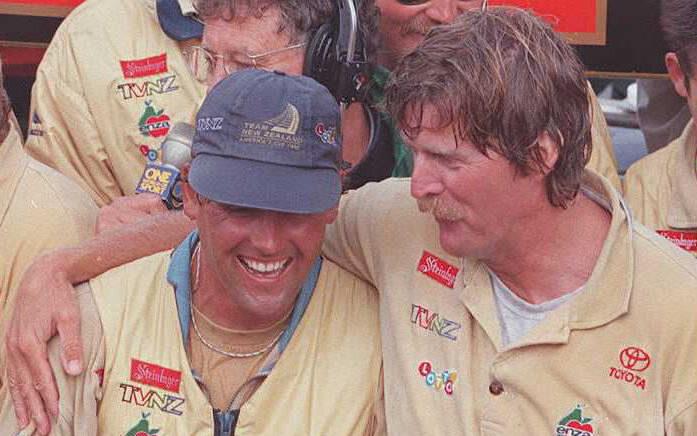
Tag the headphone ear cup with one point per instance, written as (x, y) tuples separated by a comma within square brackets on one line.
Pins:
[(320, 59)]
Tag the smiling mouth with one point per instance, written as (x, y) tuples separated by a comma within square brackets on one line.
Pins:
[(264, 269)]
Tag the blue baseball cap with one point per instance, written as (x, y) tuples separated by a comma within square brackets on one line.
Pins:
[(175, 24), (270, 141)]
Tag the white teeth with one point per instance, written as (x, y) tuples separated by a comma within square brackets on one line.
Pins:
[(262, 267)]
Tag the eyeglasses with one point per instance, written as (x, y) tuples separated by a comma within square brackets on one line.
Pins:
[(202, 62)]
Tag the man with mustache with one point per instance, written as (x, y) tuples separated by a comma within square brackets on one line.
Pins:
[(142, 239), (525, 300)]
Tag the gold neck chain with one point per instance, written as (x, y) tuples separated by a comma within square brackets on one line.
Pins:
[(204, 341)]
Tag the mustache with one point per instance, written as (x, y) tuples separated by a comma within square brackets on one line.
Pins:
[(441, 209), (419, 25)]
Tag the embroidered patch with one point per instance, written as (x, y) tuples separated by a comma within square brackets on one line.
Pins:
[(155, 375), (153, 122), (326, 134), (633, 361), (431, 321), (438, 380), (152, 399), (133, 69), (209, 123), (685, 240), (438, 269), (143, 427), (575, 424), (147, 88), (35, 128), (151, 153)]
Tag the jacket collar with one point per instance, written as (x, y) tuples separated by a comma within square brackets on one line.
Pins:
[(682, 173), (605, 296)]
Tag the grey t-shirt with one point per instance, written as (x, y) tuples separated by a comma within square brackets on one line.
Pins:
[(516, 316)]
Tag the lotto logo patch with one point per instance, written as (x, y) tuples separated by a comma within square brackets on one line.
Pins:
[(133, 69), (438, 269), (685, 240), (155, 375), (438, 380)]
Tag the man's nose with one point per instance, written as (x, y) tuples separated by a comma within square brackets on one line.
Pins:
[(216, 74), (267, 233), (425, 180), (443, 11)]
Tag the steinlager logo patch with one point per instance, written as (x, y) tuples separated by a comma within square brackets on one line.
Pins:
[(575, 424)]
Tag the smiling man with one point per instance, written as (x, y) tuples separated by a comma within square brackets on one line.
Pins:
[(244, 329)]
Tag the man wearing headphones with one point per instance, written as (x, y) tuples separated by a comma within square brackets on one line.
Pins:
[(244, 329), (100, 111)]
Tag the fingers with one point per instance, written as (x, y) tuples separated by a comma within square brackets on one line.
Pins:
[(127, 210), (68, 326), (26, 399)]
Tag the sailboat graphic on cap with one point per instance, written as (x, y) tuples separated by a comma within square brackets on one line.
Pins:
[(287, 122)]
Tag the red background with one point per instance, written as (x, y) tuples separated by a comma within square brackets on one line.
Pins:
[(564, 15)]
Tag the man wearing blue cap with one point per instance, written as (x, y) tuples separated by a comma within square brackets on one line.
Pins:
[(244, 328)]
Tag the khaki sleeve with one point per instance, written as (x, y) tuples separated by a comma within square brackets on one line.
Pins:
[(377, 425), (79, 396), (684, 423), (602, 159), (63, 133), (348, 241)]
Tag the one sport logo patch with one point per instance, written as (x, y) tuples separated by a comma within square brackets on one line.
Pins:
[(685, 240), (155, 375), (633, 361), (438, 269), (153, 122), (147, 88), (133, 69), (575, 424)]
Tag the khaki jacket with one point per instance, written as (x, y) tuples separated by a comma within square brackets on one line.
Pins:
[(40, 210), (616, 360), (107, 91), (138, 377), (661, 190)]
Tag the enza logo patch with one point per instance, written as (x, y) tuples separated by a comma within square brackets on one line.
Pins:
[(209, 123), (575, 424), (143, 427), (438, 380), (144, 67), (438, 269), (147, 88), (433, 322), (685, 240), (155, 375), (153, 122), (633, 361)]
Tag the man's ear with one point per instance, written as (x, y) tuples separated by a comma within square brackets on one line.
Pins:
[(549, 151), (331, 214), (676, 74), (192, 204)]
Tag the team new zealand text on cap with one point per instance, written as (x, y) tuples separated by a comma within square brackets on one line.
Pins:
[(270, 141)]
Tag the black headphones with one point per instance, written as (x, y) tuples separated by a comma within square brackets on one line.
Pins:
[(336, 55)]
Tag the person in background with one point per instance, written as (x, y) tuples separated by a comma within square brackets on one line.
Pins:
[(661, 188), (40, 210)]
